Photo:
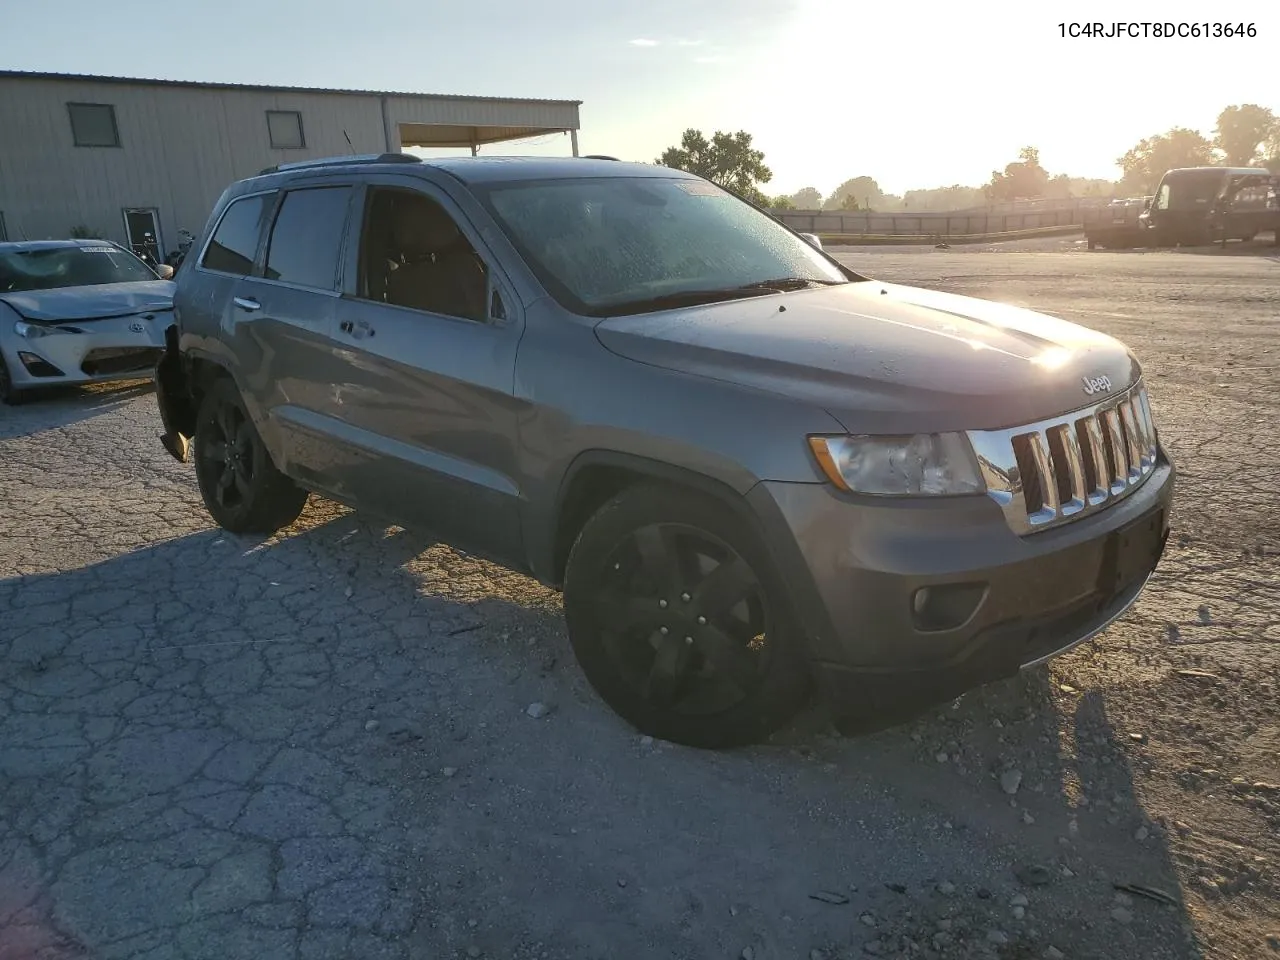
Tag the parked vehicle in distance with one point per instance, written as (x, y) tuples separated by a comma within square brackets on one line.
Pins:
[(1115, 225), (750, 469), (78, 311), (1195, 206)]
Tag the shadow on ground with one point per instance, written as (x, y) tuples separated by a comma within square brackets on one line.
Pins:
[(51, 408), (322, 745)]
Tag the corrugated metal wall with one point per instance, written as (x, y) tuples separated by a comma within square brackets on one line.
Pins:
[(181, 146)]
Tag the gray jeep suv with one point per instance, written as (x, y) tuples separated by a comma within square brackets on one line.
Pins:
[(750, 470)]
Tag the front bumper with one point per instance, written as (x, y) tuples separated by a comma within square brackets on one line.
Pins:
[(90, 351), (998, 602)]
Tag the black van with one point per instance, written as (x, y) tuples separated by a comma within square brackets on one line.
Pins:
[(1194, 206)]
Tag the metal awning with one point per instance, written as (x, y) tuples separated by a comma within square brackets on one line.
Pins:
[(456, 135)]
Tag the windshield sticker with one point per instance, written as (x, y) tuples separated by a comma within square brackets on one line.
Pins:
[(98, 249), (699, 188)]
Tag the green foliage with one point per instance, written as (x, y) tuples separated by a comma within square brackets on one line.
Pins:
[(808, 198), (857, 193), (1147, 161), (1242, 130), (782, 203), (1024, 179), (726, 159)]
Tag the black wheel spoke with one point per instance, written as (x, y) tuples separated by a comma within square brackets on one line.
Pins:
[(226, 483), (227, 417), (724, 587), (729, 658), (670, 668), (658, 557), (240, 482), (215, 450), (622, 613)]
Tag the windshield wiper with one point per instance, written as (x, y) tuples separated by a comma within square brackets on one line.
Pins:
[(788, 283), (683, 298)]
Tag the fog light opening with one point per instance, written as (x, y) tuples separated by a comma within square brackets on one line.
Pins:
[(38, 366), (946, 606)]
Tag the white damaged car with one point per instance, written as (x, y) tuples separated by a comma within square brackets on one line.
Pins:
[(78, 311)]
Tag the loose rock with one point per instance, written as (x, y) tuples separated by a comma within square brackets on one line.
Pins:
[(1053, 953), (536, 710), (371, 725), (449, 771), (748, 954), (1122, 915), (1141, 834), (867, 920), (998, 937), (946, 888), (1019, 900), (1010, 781)]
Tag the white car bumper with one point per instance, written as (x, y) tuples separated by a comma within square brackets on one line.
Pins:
[(85, 351)]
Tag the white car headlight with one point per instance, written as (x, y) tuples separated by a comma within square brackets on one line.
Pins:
[(927, 464), (34, 331)]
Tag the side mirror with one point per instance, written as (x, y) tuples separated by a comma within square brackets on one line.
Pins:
[(814, 239), (164, 271)]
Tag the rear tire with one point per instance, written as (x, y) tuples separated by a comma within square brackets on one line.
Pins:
[(680, 621), (9, 394), (242, 489)]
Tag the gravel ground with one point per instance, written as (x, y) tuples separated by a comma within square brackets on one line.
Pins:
[(322, 744)]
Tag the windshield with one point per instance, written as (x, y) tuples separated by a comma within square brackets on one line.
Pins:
[(56, 267), (615, 244), (1189, 191)]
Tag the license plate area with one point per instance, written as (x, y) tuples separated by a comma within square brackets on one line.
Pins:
[(1132, 552)]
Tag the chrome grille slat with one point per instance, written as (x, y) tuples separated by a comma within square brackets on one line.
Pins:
[(1097, 453), (1075, 465)]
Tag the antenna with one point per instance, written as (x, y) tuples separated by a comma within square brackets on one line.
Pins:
[(349, 144)]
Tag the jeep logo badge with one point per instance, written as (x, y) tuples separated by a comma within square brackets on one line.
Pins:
[(1094, 385), (137, 327)]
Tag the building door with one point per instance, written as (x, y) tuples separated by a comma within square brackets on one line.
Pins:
[(142, 227)]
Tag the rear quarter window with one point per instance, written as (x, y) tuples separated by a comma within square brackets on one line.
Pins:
[(306, 240), (235, 241)]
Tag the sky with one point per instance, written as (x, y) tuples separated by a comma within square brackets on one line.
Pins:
[(913, 94)]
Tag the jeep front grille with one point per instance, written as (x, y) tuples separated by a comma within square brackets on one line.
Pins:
[(1049, 473)]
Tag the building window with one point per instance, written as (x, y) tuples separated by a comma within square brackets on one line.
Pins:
[(285, 129), (94, 124)]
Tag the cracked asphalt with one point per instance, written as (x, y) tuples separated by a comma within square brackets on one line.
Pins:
[(318, 745)]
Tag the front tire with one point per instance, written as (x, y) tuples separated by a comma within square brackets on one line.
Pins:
[(242, 489), (9, 394), (681, 623)]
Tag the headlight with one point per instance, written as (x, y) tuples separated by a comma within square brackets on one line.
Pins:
[(34, 331), (927, 464)]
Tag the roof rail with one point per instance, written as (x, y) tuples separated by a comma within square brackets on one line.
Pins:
[(342, 161), (599, 156)]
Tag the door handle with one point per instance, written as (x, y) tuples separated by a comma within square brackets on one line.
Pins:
[(247, 303)]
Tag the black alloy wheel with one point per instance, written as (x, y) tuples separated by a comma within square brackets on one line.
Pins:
[(680, 622), (241, 487)]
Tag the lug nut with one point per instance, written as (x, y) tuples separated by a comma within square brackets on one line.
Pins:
[(685, 597), (702, 621), (662, 604), (663, 630), (688, 641)]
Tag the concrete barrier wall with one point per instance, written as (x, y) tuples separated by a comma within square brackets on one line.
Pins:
[(1060, 213)]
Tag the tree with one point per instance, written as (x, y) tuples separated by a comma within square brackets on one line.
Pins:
[(1241, 130), (727, 159), (781, 203), (1148, 160), (1021, 180), (807, 199), (863, 192)]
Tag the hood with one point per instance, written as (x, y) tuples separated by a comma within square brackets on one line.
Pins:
[(885, 358), (97, 302)]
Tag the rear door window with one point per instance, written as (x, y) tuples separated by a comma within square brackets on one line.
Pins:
[(306, 240), (235, 242)]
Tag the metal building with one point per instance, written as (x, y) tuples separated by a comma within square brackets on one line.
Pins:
[(124, 158)]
